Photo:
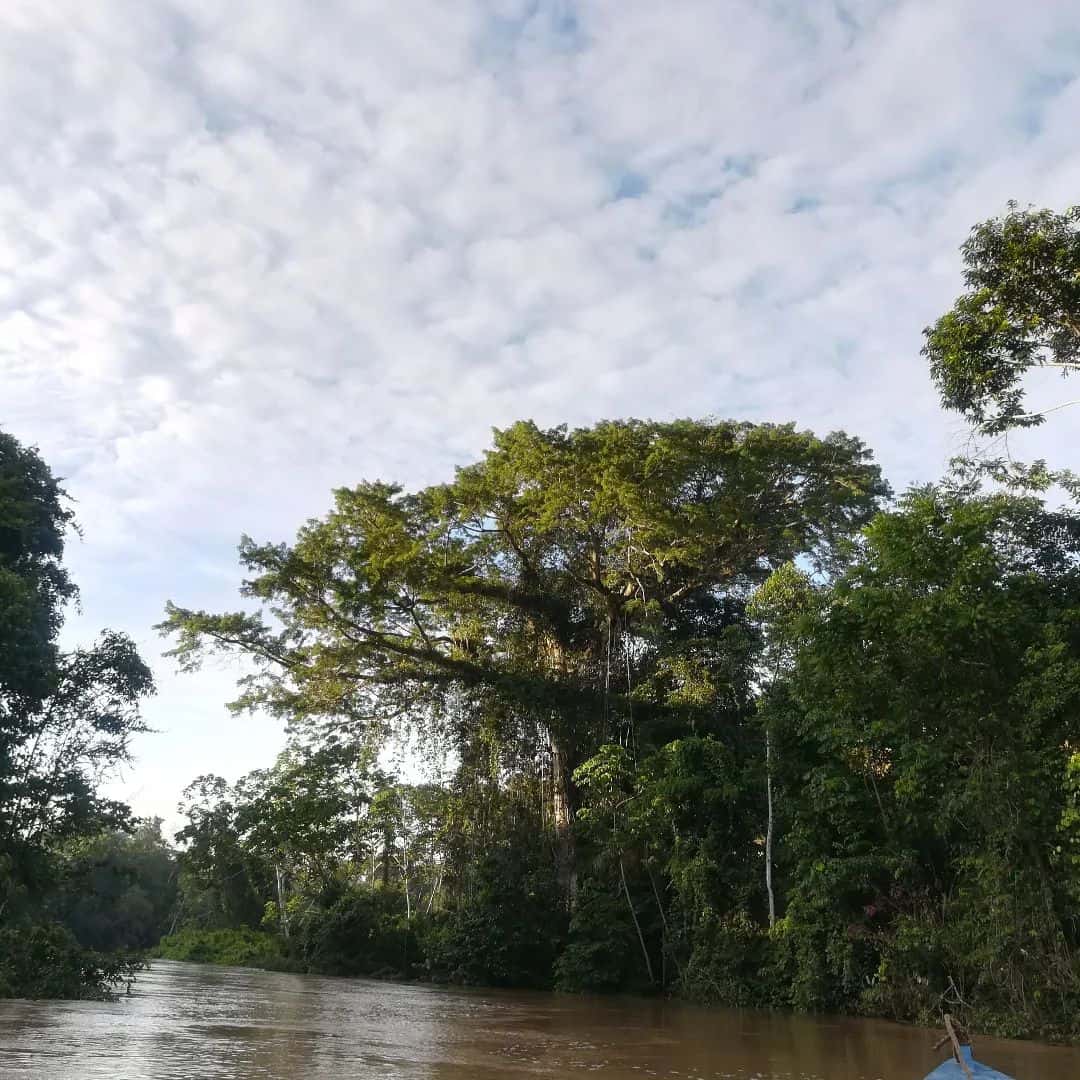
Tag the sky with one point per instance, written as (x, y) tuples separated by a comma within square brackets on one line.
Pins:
[(253, 251)]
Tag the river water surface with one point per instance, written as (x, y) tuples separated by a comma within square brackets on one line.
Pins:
[(183, 1020)]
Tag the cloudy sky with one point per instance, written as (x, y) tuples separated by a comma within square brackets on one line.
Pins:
[(250, 251)]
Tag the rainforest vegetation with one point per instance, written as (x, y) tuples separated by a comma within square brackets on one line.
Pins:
[(690, 707)]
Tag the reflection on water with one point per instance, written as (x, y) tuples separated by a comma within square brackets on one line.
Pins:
[(191, 1021)]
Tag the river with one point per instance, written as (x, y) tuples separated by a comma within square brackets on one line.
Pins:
[(184, 1020)]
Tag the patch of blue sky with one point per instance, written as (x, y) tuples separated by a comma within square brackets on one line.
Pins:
[(929, 173), (553, 22), (843, 353), (795, 17), (756, 287), (812, 24), (1040, 90), (690, 210), (628, 184)]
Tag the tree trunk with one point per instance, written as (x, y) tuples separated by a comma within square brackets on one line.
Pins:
[(435, 888), (637, 925), (405, 857), (283, 911), (563, 818), (769, 830), (667, 929), (408, 899)]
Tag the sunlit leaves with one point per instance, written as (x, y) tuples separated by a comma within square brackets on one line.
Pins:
[(1021, 311)]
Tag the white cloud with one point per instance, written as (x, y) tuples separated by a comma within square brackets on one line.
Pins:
[(252, 251)]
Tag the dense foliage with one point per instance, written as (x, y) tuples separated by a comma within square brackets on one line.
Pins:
[(714, 720), (1020, 312), (929, 724), (569, 589), (66, 719), (116, 891), (692, 707), (236, 947)]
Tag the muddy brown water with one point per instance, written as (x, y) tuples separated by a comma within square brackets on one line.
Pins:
[(184, 1020)]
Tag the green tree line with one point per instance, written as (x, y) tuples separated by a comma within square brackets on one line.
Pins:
[(82, 886), (708, 710)]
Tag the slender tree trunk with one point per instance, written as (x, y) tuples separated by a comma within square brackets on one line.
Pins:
[(562, 818), (405, 857), (405, 880), (637, 925), (435, 888), (769, 830), (283, 911), (667, 928)]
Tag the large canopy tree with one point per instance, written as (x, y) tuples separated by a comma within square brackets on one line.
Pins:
[(581, 585)]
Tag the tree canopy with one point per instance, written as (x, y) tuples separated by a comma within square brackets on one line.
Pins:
[(929, 717), (715, 716), (1020, 312), (587, 584), (66, 720)]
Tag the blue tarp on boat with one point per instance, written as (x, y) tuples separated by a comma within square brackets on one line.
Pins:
[(951, 1069)]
